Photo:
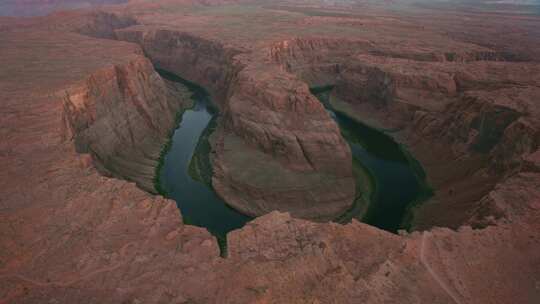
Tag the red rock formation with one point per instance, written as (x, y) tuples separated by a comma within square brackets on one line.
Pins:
[(57, 208), (305, 163), (281, 259), (122, 116), (468, 111), (71, 235), (196, 59)]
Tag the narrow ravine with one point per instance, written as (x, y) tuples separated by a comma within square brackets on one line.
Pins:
[(389, 180), (198, 203)]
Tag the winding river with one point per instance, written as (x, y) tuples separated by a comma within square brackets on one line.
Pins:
[(385, 173), (395, 180), (198, 203)]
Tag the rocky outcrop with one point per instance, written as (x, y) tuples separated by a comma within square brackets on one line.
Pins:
[(122, 115), (461, 103), (392, 92), (473, 115), (305, 262), (319, 61), (280, 150), (276, 113), (298, 161), (69, 234), (205, 62), (493, 123)]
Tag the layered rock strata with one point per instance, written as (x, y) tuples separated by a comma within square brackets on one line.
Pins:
[(277, 148), (71, 235), (470, 106), (202, 61), (122, 115), (478, 116), (280, 150)]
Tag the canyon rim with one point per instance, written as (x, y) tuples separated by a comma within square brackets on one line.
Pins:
[(303, 100)]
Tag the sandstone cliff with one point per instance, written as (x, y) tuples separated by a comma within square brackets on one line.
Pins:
[(122, 115), (69, 235), (280, 150), (205, 62), (478, 116), (277, 148), (57, 208), (468, 105)]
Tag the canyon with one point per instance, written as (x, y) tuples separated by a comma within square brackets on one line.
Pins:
[(85, 117)]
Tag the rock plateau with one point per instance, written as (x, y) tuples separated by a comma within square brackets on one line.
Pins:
[(84, 115)]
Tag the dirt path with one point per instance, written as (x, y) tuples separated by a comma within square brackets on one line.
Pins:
[(432, 272)]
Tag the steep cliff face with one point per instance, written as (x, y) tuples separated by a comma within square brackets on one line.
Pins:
[(459, 111), (472, 114), (494, 101), (382, 81), (69, 224), (205, 62), (267, 108), (317, 61), (484, 122), (122, 115), (71, 235), (298, 161), (320, 61), (280, 150)]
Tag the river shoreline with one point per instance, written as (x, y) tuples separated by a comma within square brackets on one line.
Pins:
[(184, 168), (369, 187)]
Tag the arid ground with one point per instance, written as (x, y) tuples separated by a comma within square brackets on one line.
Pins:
[(84, 117)]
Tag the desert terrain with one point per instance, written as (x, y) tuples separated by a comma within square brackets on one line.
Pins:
[(85, 117)]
